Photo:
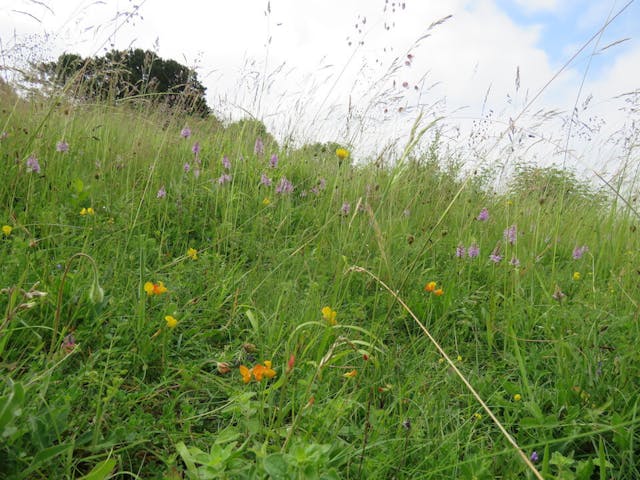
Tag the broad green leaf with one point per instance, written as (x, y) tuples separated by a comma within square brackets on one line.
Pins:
[(276, 466), (101, 470)]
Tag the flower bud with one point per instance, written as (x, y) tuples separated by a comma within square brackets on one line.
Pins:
[(96, 293)]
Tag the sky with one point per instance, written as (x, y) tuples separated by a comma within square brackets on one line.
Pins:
[(497, 76)]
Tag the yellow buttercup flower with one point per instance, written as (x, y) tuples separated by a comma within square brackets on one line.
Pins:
[(266, 202), (87, 211), (329, 315), (517, 397), (192, 253), (7, 229), (171, 321), (342, 153), (576, 276)]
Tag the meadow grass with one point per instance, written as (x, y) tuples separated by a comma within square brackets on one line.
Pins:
[(272, 287)]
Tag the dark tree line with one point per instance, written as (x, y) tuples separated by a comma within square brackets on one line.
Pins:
[(129, 74)]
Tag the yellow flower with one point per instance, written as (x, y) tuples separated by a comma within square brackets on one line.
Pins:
[(576, 276), (517, 397), (246, 374), (477, 416), (171, 321), (350, 374), (329, 315), (342, 153), (7, 229), (155, 288), (267, 371), (266, 202), (430, 287), (192, 253), (459, 358), (87, 211)]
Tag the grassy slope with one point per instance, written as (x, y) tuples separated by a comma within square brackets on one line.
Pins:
[(132, 389)]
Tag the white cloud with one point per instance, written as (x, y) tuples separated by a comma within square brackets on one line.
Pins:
[(623, 75)]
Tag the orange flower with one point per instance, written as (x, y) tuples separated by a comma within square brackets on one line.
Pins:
[(438, 292), (155, 288), (350, 374), (258, 372), (430, 287), (246, 374)]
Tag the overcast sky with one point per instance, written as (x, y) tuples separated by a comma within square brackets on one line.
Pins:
[(360, 71)]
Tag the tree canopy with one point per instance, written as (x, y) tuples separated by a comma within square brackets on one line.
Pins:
[(124, 74)]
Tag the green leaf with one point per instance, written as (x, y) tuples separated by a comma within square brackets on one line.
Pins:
[(330, 474), (44, 457), (186, 456), (276, 466), (253, 320), (101, 470), (77, 185), (584, 470), (11, 406), (560, 460)]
